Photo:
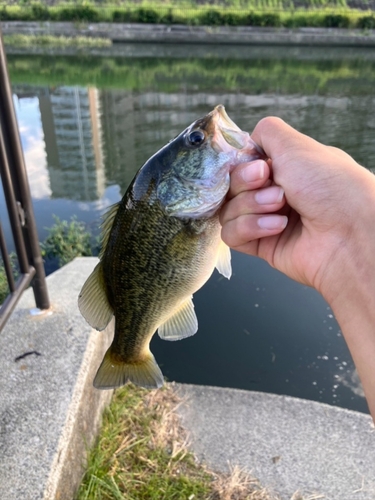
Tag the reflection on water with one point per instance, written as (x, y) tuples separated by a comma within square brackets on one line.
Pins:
[(260, 331), (68, 123)]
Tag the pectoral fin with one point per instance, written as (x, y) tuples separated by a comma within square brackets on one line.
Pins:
[(183, 323), (223, 264), (93, 302)]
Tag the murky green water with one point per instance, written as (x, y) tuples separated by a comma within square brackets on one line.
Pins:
[(88, 123)]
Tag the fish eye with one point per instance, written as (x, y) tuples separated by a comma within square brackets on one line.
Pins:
[(196, 138)]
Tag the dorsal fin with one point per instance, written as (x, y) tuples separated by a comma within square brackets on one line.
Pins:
[(106, 226)]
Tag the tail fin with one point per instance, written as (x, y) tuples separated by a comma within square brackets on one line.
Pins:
[(112, 373)]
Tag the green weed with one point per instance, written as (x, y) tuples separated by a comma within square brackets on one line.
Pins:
[(66, 240), (4, 288)]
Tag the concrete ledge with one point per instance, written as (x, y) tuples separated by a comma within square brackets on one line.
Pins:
[(289, 444), (49, 411), (160, 33)]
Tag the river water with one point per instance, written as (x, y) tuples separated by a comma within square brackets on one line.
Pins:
[(89, 122)]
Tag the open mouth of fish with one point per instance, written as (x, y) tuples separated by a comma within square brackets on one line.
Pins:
[(227, 135)]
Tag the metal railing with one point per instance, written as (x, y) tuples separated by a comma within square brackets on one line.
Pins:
[(19, 206)]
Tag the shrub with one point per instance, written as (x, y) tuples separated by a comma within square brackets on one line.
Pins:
[(366, 23), (336, 21), (15, 14), (231, 19), (253, 19), (40, 12), (121, 16), (211, 17), (262, 19), (65, 241), (270, 19), (78, 13), (168, 17), (145, 15)]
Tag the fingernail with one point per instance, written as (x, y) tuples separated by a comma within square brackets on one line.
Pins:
[(254, 171), (273, 222), (273, 194)]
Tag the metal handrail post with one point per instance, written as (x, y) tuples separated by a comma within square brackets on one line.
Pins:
[(20, 183)]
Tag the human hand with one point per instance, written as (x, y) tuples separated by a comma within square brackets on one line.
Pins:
[(312, 231), (320, 232)]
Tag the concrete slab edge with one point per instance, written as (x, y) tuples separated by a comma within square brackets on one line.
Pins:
[(81, 426)]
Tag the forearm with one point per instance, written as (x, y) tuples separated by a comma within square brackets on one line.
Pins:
[(358, 328), (354, 309)]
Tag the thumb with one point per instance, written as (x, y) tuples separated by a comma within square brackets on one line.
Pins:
[(277, 138)]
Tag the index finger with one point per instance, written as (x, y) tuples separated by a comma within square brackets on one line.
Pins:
[(248, 176)]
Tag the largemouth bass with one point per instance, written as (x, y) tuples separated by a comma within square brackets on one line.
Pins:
[(160, 244)]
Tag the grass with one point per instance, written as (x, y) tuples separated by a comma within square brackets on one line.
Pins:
[(142, 453), (28, 41), (273, 13)]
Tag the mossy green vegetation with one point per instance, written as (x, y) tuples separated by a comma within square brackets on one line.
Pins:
[(27, 41), (142, 453), (267, 13)]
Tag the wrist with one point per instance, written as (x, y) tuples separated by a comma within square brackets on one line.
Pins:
[(350, 270)]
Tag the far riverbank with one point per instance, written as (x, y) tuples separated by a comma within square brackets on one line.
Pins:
[(175, 34)]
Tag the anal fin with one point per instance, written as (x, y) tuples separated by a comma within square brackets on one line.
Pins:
[(223, 264), (183, 323)]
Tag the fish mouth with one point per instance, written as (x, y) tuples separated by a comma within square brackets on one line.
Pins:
[(231, 133)]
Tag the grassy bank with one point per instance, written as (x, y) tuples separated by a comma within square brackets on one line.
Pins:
[(142, 453), (272, 13)]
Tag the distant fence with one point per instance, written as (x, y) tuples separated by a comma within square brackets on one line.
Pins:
[(19, 208)]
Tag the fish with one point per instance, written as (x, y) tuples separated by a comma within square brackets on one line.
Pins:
[(160, 244)]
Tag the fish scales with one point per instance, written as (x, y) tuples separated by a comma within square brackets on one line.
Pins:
[(160, 244), (152, 272)]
